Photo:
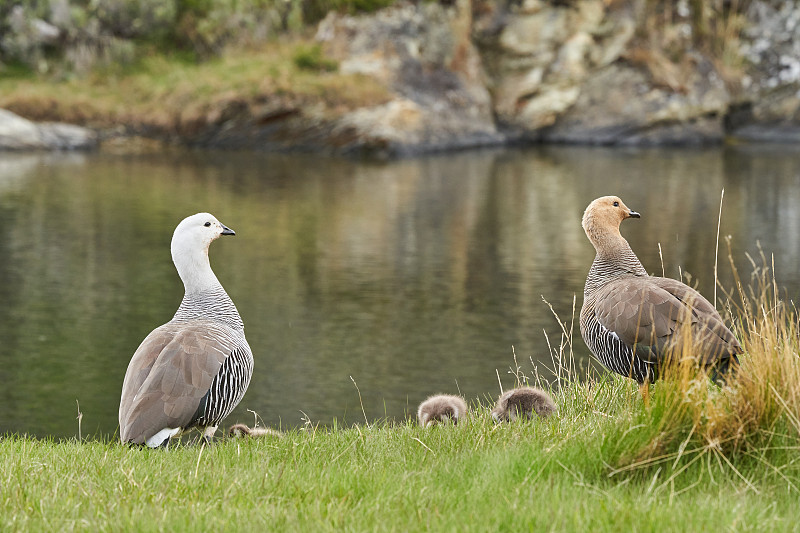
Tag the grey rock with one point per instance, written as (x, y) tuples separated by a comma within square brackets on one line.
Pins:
[(17, 133), (563, 73), (618, 105), (770, 105), (424, 55)]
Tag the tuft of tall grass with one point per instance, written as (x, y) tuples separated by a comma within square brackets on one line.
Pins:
[(766, 395), (753, 417)]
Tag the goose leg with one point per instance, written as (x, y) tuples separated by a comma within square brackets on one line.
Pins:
[(208, 433)]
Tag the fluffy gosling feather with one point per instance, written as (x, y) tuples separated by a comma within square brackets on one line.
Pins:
[(441, 408), (523, 402), (242, 430)]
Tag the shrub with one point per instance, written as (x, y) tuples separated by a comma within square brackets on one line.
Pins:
[(311, 58)]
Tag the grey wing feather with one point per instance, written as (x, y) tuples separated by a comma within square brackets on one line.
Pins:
[(638, 313), (649, 313), (168, 375), (708, 329), (139, 368)]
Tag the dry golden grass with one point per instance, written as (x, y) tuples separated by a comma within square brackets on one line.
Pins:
[(768, 388), (690, 418)]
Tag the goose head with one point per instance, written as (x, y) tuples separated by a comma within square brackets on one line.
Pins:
[(189, 247), (602, 218)]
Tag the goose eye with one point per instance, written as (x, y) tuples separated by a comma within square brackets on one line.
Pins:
[(207, 224), (616, 204)]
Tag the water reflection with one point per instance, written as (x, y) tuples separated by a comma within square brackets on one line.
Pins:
[(413, 277)]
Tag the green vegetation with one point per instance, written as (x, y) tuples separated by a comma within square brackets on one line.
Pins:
[(311, 58), (169, 92), (75, 36), (563, 475), (695, 458)]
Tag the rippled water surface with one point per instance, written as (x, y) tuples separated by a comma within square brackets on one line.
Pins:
[(410, 277)]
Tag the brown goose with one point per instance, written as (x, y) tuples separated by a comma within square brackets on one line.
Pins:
[(441, 408), (630, 320), (193, 370), (523, 402)]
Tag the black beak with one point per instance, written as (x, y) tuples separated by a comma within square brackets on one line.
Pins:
[(634, 214), (228, 231)]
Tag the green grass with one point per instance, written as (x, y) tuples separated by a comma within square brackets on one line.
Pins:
[(574, 472), (696, 457)]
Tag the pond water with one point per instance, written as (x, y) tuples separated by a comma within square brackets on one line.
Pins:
[(374, 283)]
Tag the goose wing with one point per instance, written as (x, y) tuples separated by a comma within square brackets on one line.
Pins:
[(708, 330), (649, 314), (167, 377)]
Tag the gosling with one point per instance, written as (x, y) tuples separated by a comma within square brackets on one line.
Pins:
[(242, 430), (441, 408), (523, 402)]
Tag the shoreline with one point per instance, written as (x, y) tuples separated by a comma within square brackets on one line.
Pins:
[(321, 138)]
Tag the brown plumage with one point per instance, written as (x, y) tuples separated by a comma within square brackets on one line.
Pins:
[(441, 408), (243, 430), (523, 402), (630, 320)]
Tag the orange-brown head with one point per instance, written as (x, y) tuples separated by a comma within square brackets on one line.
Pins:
[(602, 218)]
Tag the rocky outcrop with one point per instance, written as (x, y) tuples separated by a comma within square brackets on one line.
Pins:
[(17, 133), (576, 72), (530, 71), (468, 73), (425, 56), (538, 57), (421, 55), (769, 109), (620, 105)]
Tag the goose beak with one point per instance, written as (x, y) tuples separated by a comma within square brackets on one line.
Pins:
[(634, 214), (228, 231)]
